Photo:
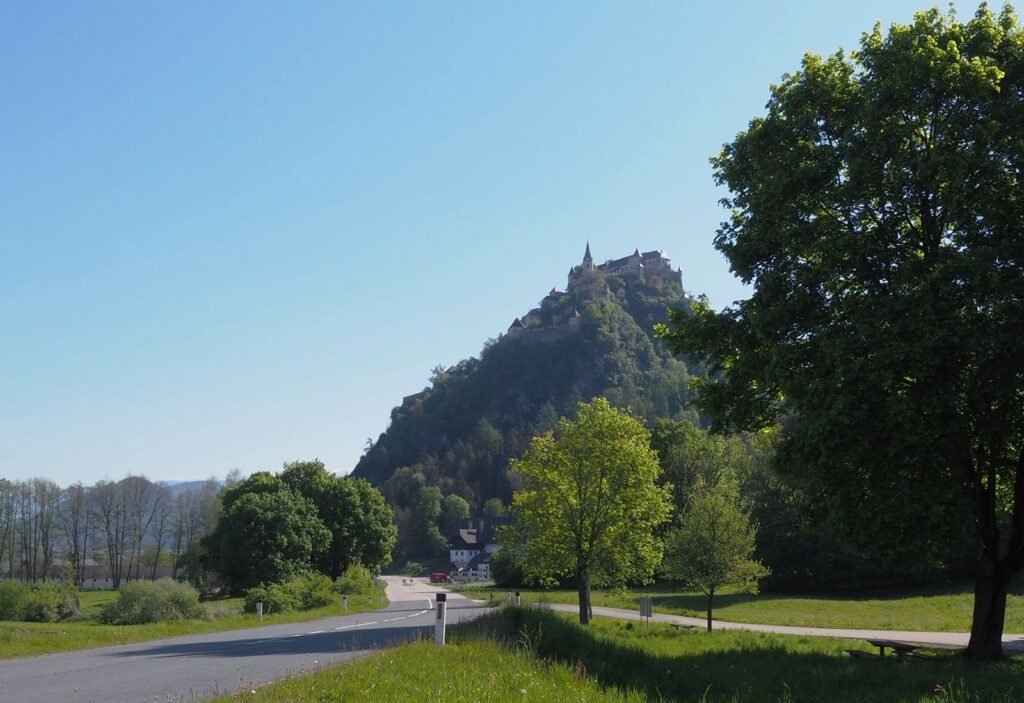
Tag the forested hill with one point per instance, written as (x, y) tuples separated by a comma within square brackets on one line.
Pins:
[(594, 340)]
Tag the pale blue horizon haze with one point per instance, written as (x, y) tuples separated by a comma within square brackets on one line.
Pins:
[(235, 235)]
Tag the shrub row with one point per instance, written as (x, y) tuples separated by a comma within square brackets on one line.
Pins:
[(302, 592), (41, 603), (140, 602), (309, 590)]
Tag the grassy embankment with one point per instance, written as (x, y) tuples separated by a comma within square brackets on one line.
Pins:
[(947, 610), (19, 639), (519, 655)]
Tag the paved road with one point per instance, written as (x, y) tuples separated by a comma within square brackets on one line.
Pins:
[(1012, 644), (195, 667)]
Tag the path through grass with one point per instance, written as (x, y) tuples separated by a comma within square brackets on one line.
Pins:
[(523, 655), (936, 611)]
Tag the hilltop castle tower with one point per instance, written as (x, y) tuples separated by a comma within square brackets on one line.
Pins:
[(552, 320)]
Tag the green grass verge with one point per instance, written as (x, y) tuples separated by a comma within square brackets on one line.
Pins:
[(470, 671), (551, 658), (937, 611), (21, 639)]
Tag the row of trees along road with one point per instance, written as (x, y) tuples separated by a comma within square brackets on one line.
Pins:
[(877, 212), (273, 527), (128, 526)]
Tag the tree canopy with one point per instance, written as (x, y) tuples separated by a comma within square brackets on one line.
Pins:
[(266, 533), (877, 214), (589, 502), (713, 544), (273, 527)]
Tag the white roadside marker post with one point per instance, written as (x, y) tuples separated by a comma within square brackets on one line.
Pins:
[(259, 610), (442, 608), (344, 603)]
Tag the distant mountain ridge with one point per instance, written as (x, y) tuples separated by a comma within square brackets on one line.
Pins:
[(594, 339), (178, 487)]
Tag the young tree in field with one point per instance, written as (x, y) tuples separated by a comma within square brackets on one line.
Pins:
[(877, 213), (713, 544), (589, 502)]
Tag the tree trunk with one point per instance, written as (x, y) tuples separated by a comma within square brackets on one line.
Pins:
[(583, 580), (990, 587), (711, 599)]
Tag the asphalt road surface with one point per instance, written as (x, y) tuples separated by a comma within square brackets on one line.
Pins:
[(196, 667)]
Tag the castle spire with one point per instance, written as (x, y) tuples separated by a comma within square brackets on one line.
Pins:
[(588, 260)]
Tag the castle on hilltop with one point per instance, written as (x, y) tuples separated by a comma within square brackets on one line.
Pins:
[(557, 314), (635, 267)]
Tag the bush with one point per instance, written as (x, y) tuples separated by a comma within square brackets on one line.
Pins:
[(356, 580), (141, 602), (276, 598), (13, 595), (43, 603), (302, 592), (49, 603)]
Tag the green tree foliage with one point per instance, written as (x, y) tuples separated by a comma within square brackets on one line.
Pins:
[(493, 507), (359, 520), (460, 433), (426, 536), (454, 509), (589, 502), (713, 544), (266, 533), (687, 453), (877, 214)]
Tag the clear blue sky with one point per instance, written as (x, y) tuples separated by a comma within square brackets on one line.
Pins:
[(236, 234)]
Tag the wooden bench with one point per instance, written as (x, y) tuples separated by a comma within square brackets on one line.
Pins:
[(901, 649)]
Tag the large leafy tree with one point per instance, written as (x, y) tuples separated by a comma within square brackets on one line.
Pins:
[(589, 502), (266, 533), (354, 512), (878, 215)]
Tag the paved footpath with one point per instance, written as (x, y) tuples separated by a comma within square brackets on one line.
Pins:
[(1012, 644)]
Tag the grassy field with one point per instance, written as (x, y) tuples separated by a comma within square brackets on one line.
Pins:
[(521, 655), (20, 639), (936, 611), (474, 671)]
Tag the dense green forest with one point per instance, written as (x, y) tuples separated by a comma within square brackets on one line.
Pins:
[(459, 433)]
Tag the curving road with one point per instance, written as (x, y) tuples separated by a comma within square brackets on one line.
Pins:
[(195, 667)]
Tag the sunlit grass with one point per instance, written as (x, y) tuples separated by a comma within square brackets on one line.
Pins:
[(938, 611), (19, 639), (471, 671), (516, 655)]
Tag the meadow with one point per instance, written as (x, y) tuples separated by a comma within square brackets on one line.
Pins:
[(937, 610), (517, 655), (82, 631)]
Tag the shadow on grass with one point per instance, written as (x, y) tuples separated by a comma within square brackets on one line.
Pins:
[(695, 666)]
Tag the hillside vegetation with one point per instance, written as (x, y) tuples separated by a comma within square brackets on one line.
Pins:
[(459, 433)]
